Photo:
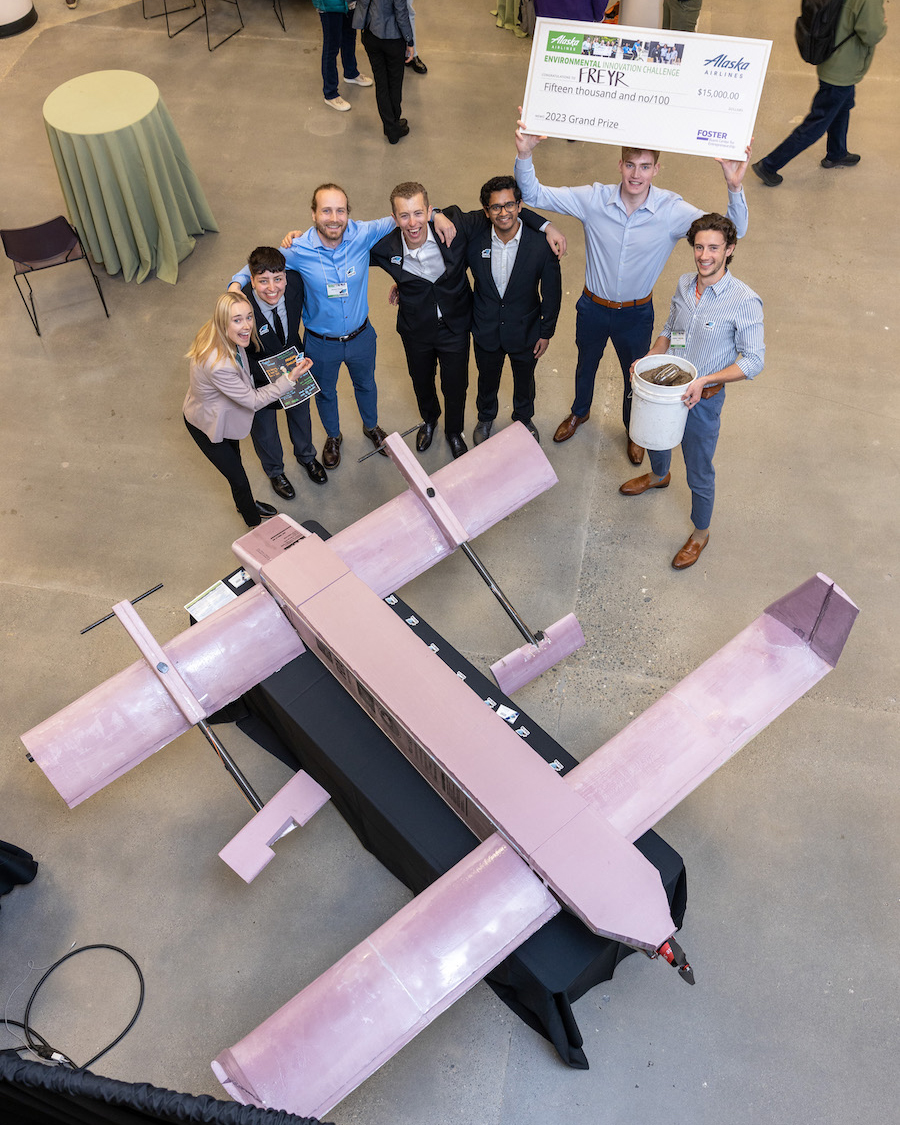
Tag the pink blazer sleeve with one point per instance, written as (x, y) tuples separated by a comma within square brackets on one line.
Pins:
[(222, 400)]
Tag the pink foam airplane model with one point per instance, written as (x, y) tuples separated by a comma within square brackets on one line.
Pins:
[(546, 840)]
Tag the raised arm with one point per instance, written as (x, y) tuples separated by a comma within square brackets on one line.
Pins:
[(526, 142), (734, 170)]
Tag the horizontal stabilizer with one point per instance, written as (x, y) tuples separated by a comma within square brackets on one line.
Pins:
[(129, 717), (292, 806), (335, 1033), (525, 664), (664, 754)]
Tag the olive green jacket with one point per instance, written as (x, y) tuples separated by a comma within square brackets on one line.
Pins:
[(863, 21)]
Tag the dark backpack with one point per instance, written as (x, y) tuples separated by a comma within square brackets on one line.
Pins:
[(816, 28)]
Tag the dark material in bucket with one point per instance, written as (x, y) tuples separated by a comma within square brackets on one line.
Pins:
[(667, 375)]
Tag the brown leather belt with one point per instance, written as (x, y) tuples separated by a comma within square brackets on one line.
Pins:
[(711, 389), (616, 304)]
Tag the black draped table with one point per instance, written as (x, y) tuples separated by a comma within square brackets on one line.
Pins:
[(302, 715)]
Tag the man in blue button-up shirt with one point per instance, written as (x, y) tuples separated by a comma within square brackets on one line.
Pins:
[(716, 323), (630, 230), (332, 257)]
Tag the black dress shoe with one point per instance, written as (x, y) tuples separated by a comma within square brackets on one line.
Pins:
[(533, 430), (416, 64), (283, 487), (424, 436), (331, 454), (266, 511), (770, 179), (482, 432), (376, 436), (315, 472), (848, 161), (457, 445), (401, 131)]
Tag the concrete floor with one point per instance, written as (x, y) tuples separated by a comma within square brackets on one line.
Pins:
[(791, 849)]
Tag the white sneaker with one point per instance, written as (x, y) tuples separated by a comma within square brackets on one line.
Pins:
[(360, 80), (338, 103)]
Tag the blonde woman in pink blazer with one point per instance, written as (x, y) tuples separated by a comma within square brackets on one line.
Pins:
[(221, 398)]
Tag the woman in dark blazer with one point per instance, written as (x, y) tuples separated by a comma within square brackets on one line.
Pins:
[(221, 398)]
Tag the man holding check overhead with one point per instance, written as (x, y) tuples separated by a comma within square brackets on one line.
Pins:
[(630, 230)]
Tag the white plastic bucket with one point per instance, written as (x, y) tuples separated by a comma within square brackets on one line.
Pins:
[(658, 415)]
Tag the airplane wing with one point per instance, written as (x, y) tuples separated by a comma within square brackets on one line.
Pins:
[(116, 726), (334, 1034), (129, 717), (644, 771), (400, 540)]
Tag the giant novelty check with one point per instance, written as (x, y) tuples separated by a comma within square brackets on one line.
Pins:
[(644, 87)]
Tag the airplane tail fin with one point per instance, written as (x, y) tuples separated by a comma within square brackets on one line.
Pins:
[(820, 613)]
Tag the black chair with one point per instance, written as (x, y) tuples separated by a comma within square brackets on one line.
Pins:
[(39, 248)]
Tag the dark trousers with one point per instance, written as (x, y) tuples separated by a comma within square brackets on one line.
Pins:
[(630, 331), (451, 351), (338, 34), (490, 369), (267, 440), (829, 113), (387, 57), (226, 456)]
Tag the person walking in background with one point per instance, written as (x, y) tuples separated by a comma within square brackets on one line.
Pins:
[(338, 35), (387, 36), (221, 400), (415, 63), (860, 27), (681, 15)]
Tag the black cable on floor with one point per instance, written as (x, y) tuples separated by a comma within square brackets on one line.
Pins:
[(45, 1051)]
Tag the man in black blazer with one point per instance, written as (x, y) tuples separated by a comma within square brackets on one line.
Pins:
[(435, 303), (518, 290), (435, 309), (276, 296)]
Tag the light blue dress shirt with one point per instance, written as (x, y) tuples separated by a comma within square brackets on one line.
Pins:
[(725, 326), (320, 266), (625, 254)]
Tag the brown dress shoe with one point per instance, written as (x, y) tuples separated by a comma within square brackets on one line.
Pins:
[(568, 426), (641, 484), (377, 437), (331, 454), (689, 554), (635, 452)]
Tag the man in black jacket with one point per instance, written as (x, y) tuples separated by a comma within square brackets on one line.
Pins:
[(435, 303), (518, 290), (276, 296)]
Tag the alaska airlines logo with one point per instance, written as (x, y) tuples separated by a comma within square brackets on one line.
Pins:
[(727, 63), (564, 44)]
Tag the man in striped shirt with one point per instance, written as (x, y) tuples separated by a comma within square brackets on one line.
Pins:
[(715, 322)]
